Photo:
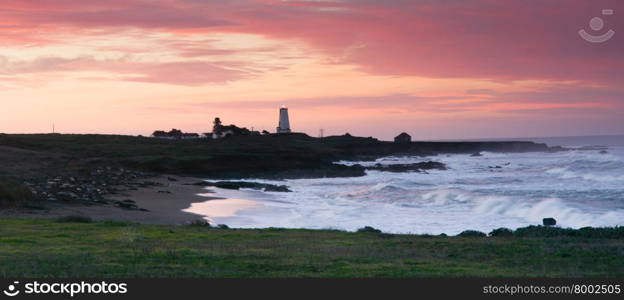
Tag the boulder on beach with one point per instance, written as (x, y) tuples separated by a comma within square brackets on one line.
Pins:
[(549, 221)]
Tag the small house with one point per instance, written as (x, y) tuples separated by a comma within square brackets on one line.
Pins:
[(403, 138)]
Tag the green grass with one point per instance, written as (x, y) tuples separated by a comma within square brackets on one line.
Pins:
[(47, 248)]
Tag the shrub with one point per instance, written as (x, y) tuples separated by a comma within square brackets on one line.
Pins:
[(585, 232), (200, 223), (501, 232), (223, 226), (13, 193), (75, 219), (369, 229), (543, 231), (471, 233)]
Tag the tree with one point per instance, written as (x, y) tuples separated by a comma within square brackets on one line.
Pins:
[(216, 129), (159, 133)]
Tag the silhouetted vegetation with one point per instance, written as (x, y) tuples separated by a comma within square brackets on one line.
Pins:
[(369, 229), (501, 232), (585, 232), (13, 193), (471, 233), (174, 134), (199, 223), (262, 156)]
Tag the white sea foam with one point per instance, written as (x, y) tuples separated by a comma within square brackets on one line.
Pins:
[(577, 188)]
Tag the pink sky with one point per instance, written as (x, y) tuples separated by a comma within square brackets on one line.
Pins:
[(435, 69)]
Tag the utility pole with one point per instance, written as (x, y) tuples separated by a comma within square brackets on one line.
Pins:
[(321, 132)]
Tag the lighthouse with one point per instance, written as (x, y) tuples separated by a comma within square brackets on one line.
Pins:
[(284, 123)]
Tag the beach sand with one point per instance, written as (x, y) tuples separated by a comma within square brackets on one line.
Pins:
[(162, 208)]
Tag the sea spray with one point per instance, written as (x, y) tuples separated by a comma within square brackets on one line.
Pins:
[(578, 188)]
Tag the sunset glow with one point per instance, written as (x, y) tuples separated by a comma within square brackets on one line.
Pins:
[(435, 69)]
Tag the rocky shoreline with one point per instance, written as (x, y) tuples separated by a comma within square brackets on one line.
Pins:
[(88, 169), (236, 185), (90, 188)]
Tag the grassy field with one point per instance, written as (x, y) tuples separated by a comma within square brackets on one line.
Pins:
[(48, 248)]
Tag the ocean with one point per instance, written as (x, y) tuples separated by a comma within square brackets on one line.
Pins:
[(578, 188)]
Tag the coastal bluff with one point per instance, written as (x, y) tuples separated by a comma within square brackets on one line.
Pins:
[(276, 156)]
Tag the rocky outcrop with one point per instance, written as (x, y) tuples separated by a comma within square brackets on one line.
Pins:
[(414, 167), (88, 188), (235, 185)]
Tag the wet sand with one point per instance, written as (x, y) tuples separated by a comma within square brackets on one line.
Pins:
[(163, 208)]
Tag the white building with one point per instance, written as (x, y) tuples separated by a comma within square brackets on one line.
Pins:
[(284, 123)]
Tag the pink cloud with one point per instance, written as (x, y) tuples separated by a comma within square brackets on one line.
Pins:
[(497, 40), (189, 73), (510, 40), (543, 101)]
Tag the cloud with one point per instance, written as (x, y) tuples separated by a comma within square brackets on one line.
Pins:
[(510, 40), (179, 73), (559, 98)]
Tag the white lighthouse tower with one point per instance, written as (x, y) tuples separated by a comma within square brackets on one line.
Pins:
[(284, 123)]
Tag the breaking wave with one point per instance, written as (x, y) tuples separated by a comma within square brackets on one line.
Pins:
[(577, 188)]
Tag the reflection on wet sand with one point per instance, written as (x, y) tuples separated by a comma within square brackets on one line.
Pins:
[(219, 208)]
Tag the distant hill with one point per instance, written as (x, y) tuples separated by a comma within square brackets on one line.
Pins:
[(589, 140)]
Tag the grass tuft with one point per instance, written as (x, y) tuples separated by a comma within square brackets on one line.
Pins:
[(501, 232), (75, 219), (13, 193)]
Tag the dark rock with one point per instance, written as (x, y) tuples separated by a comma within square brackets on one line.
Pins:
[(164, 192), (126, 205), (549, 221), (171, 179), (471, 233), (369, 229), (416, 167), (604, 152), (235, 185)]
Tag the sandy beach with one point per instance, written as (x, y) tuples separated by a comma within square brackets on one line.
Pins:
[(164, 204)]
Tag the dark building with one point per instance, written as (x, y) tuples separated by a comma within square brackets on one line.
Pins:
[(403, 138)]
